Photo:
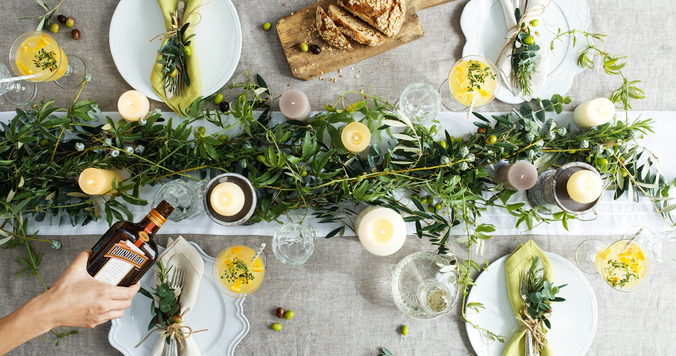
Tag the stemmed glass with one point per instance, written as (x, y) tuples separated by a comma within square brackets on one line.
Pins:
[(626, 264), (16, 91), (472, 82), (39, 57), (239, 270)]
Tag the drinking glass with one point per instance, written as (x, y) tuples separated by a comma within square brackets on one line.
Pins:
[(234, 262), (17, 92), (420, 289), (38, 56), (626, 264), (420, 102), (293, 243), (663, 247), (472, 82), (184, 197)]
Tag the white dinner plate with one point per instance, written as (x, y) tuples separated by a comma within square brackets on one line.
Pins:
[(573, 321), (218, 43), (483, 24), (220, 314)]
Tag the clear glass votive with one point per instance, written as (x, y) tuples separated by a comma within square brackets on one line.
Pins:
[(294, 243), (184, 197)]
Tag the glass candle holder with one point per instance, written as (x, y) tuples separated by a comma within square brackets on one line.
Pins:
[(184, 197), (248, 204), (551, 191)]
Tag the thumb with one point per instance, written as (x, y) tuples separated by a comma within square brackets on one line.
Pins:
[(81, 259)]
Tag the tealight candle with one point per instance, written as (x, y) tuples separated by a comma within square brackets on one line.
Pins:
[(94, 181), (521, 175), (133, 105), (584, 186), (593, 113), (355, 137), (227, 199), (294, 105), (382, 231)]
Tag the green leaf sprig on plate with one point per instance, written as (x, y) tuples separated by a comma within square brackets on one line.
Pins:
[(524, 56), (174, 56), (538, 293), (165, 310)]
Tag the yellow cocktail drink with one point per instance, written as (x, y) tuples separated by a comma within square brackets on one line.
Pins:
[(39, 54), (238, 272), (472, 79), (622, 266)]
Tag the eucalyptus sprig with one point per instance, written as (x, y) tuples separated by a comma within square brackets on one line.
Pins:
[(165, 309), (173, 57), (539, 293), (524, 56)]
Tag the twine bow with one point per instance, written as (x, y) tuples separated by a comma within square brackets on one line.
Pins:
[(534, 326), (173, 331), (177, 18)]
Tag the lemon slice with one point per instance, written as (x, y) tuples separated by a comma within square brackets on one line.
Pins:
[(235, 250), (257, 265), (43, 42), (484, 93), (237, 286), (23, 69)]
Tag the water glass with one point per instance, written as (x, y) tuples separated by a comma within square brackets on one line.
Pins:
[(294, 243), (420, 102)]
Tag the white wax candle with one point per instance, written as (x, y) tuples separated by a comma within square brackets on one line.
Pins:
[(521, 175), (294, 105), (382, 231), (355, 137), (94, 181), (593, 113), (227, 199), (133, 105), (584, 186)]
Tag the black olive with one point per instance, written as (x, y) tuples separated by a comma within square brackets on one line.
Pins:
[(315, 49), (224, 106)]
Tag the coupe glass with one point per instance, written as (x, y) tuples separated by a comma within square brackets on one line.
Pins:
[(626, 264), (472, 82), (184, 197), (294, 243), (420, 289), (226, 266), (37, 55), (17, 92), (420, 102)]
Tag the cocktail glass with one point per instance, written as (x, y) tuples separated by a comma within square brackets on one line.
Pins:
[(239, 270), (293, 243), (626, 264), (38, 56), (17, 92), (472, 82)]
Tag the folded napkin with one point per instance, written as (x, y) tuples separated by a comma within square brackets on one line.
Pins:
[(181, 255), (521, 260), (192, 92), (535, 9)]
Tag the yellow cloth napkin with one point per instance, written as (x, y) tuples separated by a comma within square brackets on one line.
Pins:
[(520, 260), (192, 92)]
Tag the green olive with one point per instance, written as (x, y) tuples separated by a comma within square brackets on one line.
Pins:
[(437, 206), (44, 142), (491, 139), (529, 40), (173, 73), (176, 318), (624, 172), (201, 130), (54, 28), (288, 314), (223, 138), (303, 47), (443, 144), (303, 173), (276, 326), (266, 26), (602, 162), (187, 50), (423, 200), (534, 23), (70, 22), (404, 330), (260, 158), (571, 152), (218, 98)]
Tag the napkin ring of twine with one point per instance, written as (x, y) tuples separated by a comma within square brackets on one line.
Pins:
[(534, 326), (173, 331), (177, 22)]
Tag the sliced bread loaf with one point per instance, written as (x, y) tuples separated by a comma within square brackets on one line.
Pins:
[(385, 15), (355, 29), (329, 32)]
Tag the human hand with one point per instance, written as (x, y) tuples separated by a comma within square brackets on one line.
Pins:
[(76, 299)]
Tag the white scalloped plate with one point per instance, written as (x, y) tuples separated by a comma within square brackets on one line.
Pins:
[(220, 314), (573, 321), (483, 24), (218, 43)]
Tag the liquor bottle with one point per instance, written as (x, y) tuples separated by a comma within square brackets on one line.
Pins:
[(127, 250)]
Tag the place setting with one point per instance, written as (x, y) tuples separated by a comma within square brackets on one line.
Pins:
[(473, 191)]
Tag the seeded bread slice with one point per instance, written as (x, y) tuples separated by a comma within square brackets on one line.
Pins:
[(329, 32), (355, 29), (385, 15)]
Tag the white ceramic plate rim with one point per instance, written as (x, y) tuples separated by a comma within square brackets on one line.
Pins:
[(210, 83), (126, 346), (559, 80), (474, 335)]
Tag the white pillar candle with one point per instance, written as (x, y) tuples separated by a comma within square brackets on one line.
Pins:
[(355, 137), (382, 231), (584, 186), (95, 181), (521, 175), (294, 105), (227, 199), (133, 105), (593, 113)]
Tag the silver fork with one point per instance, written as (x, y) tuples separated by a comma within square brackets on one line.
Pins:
[(176, 283)]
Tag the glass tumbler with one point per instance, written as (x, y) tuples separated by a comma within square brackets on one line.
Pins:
[(420, 102), (293, 243)]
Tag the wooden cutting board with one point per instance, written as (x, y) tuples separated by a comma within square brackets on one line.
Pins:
[(295, 28)]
